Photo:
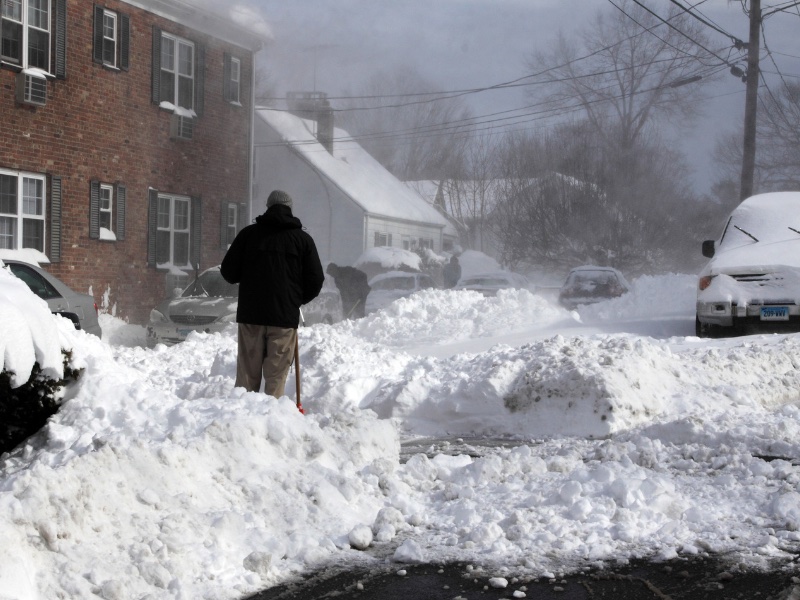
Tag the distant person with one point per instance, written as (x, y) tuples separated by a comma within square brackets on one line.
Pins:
[(451, 272), (353, 288), (277, 268)]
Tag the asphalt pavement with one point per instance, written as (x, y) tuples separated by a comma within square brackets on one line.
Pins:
[(701, 578)]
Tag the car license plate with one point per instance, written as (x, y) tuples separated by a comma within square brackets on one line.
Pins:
[(184, 332), (774, 313)]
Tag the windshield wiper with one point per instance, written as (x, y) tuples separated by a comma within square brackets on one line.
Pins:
[(795, 230), (750, 235)]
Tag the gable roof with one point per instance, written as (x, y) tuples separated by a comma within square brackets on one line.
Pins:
[(353, 170)]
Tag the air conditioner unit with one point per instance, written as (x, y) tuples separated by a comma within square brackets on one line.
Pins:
[(181, 127), (31, 89)]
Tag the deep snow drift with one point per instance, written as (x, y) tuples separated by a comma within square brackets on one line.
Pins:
[(158, 479)]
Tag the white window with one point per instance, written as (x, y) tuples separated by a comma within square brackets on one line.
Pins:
[(172, 236), (106, 206), (109, 38), (232, 222), (235, 81), (177, 71), (22, 208), (25, 33)]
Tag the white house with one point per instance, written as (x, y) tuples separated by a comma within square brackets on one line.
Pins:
[(348, 202)]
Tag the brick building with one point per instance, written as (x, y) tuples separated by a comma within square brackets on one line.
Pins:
[(125, 142)]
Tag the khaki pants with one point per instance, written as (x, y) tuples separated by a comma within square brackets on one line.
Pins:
[(267, 351)]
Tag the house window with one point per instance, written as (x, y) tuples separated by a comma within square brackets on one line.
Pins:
[(231, 222), (107, 211), (21, 211), (112, 32), (106, 206), (110, 38), (233, 78), (25, 33), (426, 243), (172, 235), (177, 71), (382, 239), (406, 241)]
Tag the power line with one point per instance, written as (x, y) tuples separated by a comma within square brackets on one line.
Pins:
[(736, 41), (670, 25)]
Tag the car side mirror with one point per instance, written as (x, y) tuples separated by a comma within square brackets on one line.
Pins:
[(708, 248)]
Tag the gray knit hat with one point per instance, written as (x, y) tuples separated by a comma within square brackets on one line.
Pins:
[(279, 197)]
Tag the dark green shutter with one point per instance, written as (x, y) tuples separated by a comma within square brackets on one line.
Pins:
[(226, 77), (196, 233), (156, 67), (122, 192), (124, 41), (97, 45), (55, 219), (94, 210), (200, 78), (223, 225), (152, 227), (61, 39)]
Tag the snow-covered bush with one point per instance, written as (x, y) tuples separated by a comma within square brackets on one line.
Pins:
[(25, 409)]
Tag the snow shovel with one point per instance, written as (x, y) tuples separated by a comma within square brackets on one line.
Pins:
[(297, 365), (297, 373)]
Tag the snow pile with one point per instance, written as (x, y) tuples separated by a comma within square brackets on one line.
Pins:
[(29, 333), (159, 479)]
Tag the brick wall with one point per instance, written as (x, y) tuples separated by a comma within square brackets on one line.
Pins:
[(100, 123)]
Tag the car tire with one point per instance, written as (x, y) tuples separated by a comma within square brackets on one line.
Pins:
[(705, 330)]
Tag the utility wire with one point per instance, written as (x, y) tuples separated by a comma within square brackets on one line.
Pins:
[(670, 25)]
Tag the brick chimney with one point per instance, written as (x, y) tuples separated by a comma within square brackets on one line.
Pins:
[(315, 107)]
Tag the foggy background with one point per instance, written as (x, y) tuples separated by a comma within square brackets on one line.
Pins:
[(334, 46), (513, 91)]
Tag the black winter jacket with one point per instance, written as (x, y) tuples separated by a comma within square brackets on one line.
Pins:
[(277, 268)]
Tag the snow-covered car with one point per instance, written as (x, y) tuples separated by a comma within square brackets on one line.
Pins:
[(752, 281), (209, 303), (489, 284), (81, 309), (388, 287), (325, 308), (591, 284)]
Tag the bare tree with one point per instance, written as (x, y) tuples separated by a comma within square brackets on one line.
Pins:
[(779, 139), (626, 71), (410, 129)]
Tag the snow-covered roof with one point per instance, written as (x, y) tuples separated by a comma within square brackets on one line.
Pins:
[(233, 22), (353, 170)]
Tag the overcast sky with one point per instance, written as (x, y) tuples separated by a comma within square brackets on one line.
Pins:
[(335, 45)]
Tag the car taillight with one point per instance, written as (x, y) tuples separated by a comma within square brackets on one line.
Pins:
[(97, 312), (705, 281)]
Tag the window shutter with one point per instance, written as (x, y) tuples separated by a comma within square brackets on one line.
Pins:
[(61, 39), (97, 46), (94, 210), (226, 77), (196, 233), (223, 225), (55, 219), (152, 227), (121, 196), (156, 70), (199, 92), (124, 41)]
